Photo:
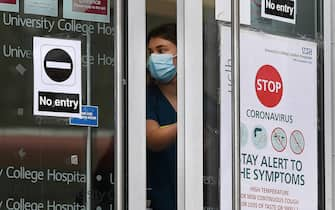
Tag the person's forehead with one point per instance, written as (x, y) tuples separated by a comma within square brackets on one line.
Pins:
[(157, 42)]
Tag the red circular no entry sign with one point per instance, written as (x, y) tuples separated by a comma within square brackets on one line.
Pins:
[(269, 86)]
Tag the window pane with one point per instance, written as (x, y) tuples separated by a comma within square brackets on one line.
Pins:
[(43, 158)]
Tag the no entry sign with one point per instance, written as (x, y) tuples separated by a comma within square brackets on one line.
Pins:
[(281, 10), (57, 77), (58, 65)]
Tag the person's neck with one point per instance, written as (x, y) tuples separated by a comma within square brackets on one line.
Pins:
[(169, 89), (170, 92)]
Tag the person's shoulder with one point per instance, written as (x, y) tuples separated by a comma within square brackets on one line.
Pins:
[(152, 90), (152, 100)]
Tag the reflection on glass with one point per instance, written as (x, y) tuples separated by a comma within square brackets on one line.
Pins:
[(211, 110), (43, 159)]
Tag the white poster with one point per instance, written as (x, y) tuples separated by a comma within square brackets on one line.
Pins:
[(90, 10), (9, 5), (223, 11), (278, 122), (41, 7), (57, 77)]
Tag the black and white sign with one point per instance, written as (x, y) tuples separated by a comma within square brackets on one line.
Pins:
[(58, 102), (57, 77), (58, 65), (281, 10)]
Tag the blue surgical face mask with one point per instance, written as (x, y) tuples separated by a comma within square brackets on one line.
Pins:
[(161, 67)]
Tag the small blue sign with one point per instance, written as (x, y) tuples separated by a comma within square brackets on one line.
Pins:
[(89, 117)]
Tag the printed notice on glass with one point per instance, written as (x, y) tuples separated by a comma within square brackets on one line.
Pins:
[(9, 5), (280, 10), (41, 7), (223, 11), (278, 130), (89, 10), (57, 77)]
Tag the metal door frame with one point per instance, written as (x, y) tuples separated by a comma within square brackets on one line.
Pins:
[(329, 103), (119, 149), (136, 83), (190, 105)]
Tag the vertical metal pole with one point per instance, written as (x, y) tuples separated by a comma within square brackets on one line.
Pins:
[(89, 129), (235, 47), (181, 172), (118, 109), (190, 109), (136, 103), (329, 94)]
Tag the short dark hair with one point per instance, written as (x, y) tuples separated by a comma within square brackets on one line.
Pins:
[(166, 31)]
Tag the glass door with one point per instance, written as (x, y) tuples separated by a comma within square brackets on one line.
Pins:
[(57, 124), (285, 44), (184, 159)]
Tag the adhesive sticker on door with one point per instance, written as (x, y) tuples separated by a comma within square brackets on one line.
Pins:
[(57, 77)]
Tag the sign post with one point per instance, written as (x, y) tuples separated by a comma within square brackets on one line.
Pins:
[(235, 52), (89, 129)]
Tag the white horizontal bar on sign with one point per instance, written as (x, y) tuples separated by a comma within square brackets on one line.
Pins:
[(58, 65)]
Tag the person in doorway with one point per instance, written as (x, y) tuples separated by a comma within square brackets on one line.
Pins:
[(161, 118)]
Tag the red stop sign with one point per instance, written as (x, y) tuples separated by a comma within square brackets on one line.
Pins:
[(269, 86)]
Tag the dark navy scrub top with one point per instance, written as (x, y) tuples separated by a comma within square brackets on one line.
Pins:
[(161, 166)]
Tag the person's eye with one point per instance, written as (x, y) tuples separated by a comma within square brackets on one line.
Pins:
[(163, 50)]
